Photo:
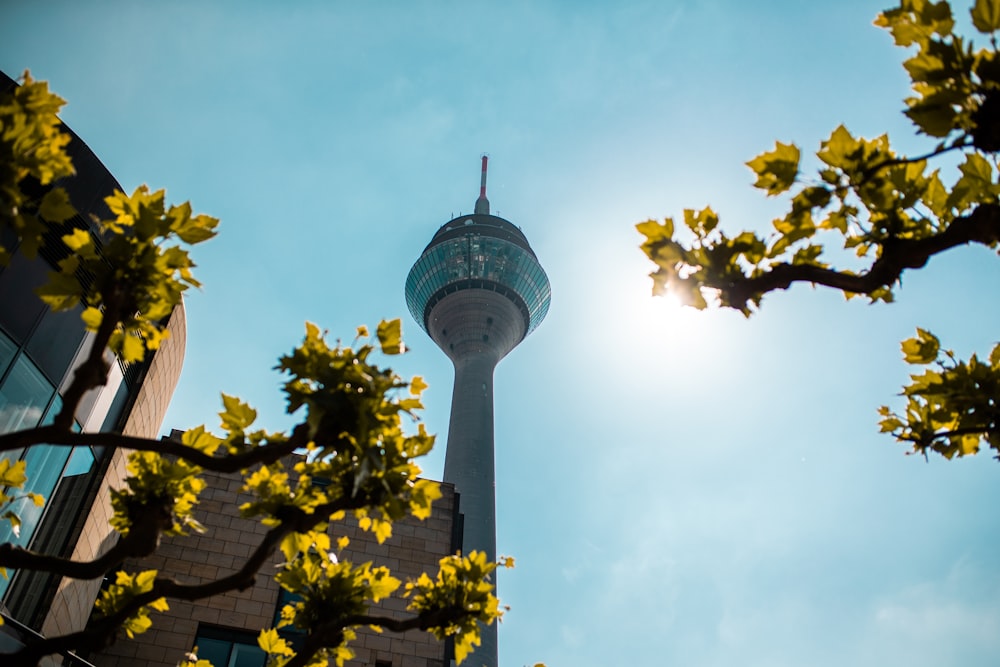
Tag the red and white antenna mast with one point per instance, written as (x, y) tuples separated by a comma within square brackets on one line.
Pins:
[(483, 204)]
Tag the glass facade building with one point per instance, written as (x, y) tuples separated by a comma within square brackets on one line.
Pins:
[(39, 351)]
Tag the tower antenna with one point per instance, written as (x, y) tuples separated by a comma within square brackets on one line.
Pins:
[(483, 204)]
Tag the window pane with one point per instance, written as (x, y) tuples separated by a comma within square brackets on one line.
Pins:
[(215, 651), (23, 397), (7, 350), (54, 408), (80, 462), (55, 340), (19, 307), (44, 467), (244, 655)]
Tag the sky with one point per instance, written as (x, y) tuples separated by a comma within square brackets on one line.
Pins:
[(678, 487)]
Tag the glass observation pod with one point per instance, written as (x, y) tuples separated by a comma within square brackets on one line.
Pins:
[(479, 252)]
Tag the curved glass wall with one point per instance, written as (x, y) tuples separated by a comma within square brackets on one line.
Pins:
[(27, 399), (474, 258)]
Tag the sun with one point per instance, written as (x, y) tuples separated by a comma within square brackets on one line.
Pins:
[(648, 315)]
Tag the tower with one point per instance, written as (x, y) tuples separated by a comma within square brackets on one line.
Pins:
[(477, 290)]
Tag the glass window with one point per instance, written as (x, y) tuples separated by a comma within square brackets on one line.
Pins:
[(44, 466), (55, 340), (81, 460), (452, 261), (7, 352), (19, 307), (229, 648), (23, 397), (286, 598)]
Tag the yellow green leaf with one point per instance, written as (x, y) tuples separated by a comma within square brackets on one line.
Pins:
[(776, 170), (417, 385), (200, 439), (236, 414), (137, 625), (466, 643), (382, 584), (390, 336), (921, 350), (92, 318), (160, 604), (970, 444), (382, 530), (342, 654), (12, 475), (840, 150), (132, 348), (655, 231), (272, 643), (55, 206), (995, 357), (15, 522), (144, 580), (986, 15)]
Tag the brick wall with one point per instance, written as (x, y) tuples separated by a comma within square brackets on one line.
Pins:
[(74, 598), (415, 547)]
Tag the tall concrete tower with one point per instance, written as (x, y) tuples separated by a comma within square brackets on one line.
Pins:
[(477, 290)]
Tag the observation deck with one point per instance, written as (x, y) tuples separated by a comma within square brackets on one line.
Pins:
[(485, 253)]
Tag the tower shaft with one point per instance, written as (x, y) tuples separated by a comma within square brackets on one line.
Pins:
[(470, 466), (469, 461)]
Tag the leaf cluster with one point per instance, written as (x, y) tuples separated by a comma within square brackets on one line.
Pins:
[(32, 155), (462, 583), (892, 211), (135, 264), (126, 587), (952, 406)]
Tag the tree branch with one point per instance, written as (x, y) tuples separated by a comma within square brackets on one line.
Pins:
[(332, 634), (892, 162), (980, 226), (144, 541), (984, 429), (101, 632), (16, 557), (93, 372), (54, 435)]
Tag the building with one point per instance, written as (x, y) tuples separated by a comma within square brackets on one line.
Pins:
[(225, 627), (477, 290), (39, 349)]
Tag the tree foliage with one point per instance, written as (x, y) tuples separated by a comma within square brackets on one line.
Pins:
[(129, 273), (892, 211)]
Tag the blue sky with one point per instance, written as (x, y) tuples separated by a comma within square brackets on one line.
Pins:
[(678, 487)]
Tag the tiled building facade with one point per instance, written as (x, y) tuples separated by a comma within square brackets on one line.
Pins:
[(74, 598), (225, 627)]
